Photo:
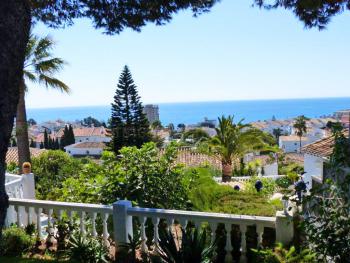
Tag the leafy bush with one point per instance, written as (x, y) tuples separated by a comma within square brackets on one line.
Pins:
[(283, 182), (15, 241), (269, 185), (207, 195), (147, 178), (282, 255), (51, 169), (12, 167)]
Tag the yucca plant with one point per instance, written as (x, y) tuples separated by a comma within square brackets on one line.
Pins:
[(192, 246)]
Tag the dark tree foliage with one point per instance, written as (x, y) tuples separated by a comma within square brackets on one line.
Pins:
[(31, 122), (91, 122), (16, 17), (114, 15), (313, 13), (46, 140), (67, 137), (129, 124)]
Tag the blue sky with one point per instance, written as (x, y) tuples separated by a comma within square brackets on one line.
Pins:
[(234, 52)]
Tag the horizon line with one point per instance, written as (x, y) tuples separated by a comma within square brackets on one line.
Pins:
[(204, 101)]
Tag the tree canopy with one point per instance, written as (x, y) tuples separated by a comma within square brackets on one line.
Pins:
[(114, 15)]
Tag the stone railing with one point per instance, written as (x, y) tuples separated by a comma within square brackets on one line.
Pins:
[(20, 186), (45, 213), (14, 185), (247, 178), (125, 214)]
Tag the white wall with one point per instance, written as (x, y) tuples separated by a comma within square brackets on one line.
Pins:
[(271, 169), (92, 139), (83, 151), (313, 165), (291, 146)]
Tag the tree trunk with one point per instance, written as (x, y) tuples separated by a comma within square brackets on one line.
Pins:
[(226, 171), (14, 34), (22, 129)]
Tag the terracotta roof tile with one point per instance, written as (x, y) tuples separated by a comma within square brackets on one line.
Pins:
[(321, 148), (12, 154)]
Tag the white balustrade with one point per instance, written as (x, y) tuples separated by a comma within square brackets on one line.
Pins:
[(38, 210), (196, 219), (123, 214), (247, 178)]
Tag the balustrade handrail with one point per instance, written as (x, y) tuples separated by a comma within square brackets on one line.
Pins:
[(61, 205), (200, 216), (12, 177)]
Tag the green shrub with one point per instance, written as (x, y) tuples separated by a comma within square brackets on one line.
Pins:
[(283, 182), (282, 255), (207, 195), (15, 241), (269, 186)]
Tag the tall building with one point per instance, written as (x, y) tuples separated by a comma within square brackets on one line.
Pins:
[(152, 112)]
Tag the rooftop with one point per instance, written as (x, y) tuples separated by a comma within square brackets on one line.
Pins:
[(292, 138), (12, 154), (90, 145)]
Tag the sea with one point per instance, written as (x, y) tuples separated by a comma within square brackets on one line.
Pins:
[(194, 112)]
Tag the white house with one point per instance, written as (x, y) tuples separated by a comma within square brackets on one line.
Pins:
[(315, 155), (81, 149), (88, 134), (291, 143)]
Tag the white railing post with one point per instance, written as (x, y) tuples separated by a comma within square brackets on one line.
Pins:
[(28, 186), (284, 228), (122, 222)]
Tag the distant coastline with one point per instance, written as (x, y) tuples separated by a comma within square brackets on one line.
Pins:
[(194, 112)]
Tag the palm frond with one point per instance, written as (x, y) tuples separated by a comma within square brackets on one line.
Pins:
[(53, 83), (30, 76)]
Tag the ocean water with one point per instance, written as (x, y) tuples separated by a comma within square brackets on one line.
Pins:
[(194, 112)]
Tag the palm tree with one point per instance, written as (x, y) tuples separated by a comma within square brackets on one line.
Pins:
[(232, 141), (196, 136), (277, 133), (40, 66), (300, 126)]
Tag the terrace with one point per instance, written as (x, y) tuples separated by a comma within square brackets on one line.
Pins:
[(95, 219)]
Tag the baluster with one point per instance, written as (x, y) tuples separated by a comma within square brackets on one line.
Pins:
[(243, 229), (105, 233), (93, 219), (49, 223), (228, 247), (213, 227), (38, 221), (60, 213), (82, 223), (143, 235), (18, 212), (260, 232), (71, 219), (29, 215), (169, 223), (183, 222), (155, 221)]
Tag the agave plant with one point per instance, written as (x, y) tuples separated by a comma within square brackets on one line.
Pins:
[(192, 246)]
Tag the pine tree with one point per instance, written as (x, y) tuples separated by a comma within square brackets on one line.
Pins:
[(32, 144), (129, 124), (57, 144), (71, 135), (46, 140)]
